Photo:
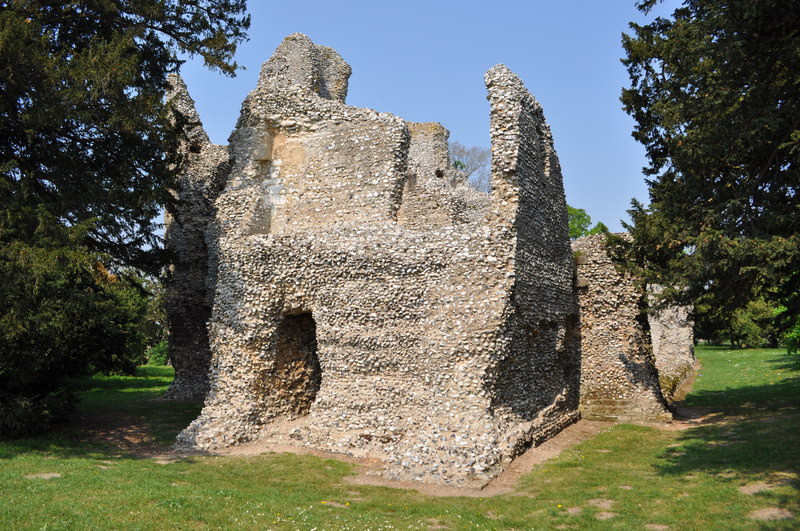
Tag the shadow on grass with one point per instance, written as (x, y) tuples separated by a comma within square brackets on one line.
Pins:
[(749, 398), (756, 431), (761, 444), (788, 362), (116, 416)]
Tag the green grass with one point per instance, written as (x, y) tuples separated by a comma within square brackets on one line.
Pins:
[(683, 479)]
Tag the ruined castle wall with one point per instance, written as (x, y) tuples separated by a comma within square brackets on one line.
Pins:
[(672, 334), (537, 379), (298, 63), (343, 322), (435, 194), (618, 375), (333, 164), (190, 289)]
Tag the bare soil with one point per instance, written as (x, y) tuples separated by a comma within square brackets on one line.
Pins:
[(127, 433), (369, 466), (130, 434), (770, 513)]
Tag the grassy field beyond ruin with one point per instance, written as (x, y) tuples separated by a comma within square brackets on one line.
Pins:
[(733, 466)]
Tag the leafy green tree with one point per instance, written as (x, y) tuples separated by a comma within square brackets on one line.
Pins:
[(579, 223), (85, 165), (63, 315), (715, 93), (753, 325), (791, 340)]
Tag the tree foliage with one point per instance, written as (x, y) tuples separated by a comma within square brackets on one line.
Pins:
[(85, 166), (580, 223), (83, 128), (474, 162), (715, 93), (63, 315), (791, 340)]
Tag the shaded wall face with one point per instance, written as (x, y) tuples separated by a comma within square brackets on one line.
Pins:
[(539, 376), (618, 375), (189, 291), (295, 376)]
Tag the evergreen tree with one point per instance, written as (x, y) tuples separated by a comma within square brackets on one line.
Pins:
[(83, 131), (85, 166), (715, 92)]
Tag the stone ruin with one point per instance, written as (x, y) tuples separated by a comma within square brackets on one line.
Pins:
[(618, 380), (189, 295), (672, 338), (354, 294)]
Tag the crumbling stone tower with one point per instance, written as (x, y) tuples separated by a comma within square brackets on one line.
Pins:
[(367, 301)]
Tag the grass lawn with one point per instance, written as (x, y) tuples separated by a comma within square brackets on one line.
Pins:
[(627, 477)]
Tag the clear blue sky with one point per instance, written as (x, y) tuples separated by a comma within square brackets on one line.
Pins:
[(424, 61)]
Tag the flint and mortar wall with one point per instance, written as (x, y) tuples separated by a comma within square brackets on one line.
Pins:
[(619, 380), (537, 379), (350, 315), (190, 290), (435, 194), (672, 335)]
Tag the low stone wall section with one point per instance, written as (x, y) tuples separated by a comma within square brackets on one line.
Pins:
[(619, 380)]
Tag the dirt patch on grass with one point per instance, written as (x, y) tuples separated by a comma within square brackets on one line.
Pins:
[(44, 475), (754, 488), (602, 503), (370, 466), (778, 479), (605, 515), (131, 433), (332, 503), (770, 513), (435, 523), (127, 433)]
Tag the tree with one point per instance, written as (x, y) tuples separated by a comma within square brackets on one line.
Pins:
[(474, 163), (83, 128), (715, 93), (63, 315), (579, 223), (85, 165)]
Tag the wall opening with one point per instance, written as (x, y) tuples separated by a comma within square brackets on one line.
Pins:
[(297, 373)]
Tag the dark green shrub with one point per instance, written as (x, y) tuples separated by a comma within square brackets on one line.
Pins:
[(791, 339), (158, 354), (63, 315), (754, 325)]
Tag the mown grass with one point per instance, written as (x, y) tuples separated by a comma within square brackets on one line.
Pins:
[(685, 479)]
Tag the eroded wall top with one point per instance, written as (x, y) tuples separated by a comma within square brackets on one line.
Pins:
[(300, 62)]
